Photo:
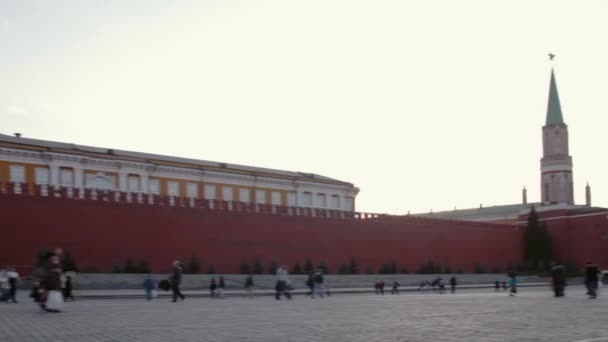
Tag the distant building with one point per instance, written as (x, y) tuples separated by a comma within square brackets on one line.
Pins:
[(74, 167)]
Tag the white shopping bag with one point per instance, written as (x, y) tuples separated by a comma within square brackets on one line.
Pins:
[(54, 301), (154, 293)]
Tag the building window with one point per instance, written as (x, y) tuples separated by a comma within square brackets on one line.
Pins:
[(173, 188), (227, 193), (133, 183), (67, 177), (154, 186), (210, 191), (17, 174), (192, 190), (334, 202), (245, 195), (291, 199), (42, 176), (321, 201), (349, 203), (260, 196), (307, 199), (275, 198)]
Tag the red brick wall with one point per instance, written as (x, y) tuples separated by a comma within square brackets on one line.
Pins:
[(578, 235), (100, 234)]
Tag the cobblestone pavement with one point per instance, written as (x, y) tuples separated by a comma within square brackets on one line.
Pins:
[(533, 315)]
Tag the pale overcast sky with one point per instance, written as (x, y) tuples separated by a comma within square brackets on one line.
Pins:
[(421, 104)]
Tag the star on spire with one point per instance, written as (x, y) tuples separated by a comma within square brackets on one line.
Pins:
[(551, 56)]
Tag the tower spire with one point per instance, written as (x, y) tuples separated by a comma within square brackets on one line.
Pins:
[(556, 163), (554, 108)]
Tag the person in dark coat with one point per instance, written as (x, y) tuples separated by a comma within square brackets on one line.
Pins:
[(496, 285), (212, 287), (453, 284), (35, 294), (221, 286), (591, 278), (67, 290), (310, 283), (558, 276), (249, 285), (176, 280), (395, 289), (52, 285)]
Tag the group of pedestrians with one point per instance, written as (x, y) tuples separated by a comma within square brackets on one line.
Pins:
[(438, 285), (217, 287)]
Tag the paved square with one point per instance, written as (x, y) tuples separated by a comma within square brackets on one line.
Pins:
[(469, 316)]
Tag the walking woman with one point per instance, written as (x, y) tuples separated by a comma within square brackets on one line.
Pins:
[(176, 280), (512, 283)]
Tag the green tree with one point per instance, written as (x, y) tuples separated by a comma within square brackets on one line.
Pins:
[(129, 266), (245, 269), (41, 258), (297, 269), (404, 270), (537, 244), (308, 266), (116, 269), (193, 266), (353, 267), (323, 266), (68, 263), (272, 267), (427, 268), (447, 270), (143, 267), (210, 269), (257, 266), (479, 269), (343, 269)]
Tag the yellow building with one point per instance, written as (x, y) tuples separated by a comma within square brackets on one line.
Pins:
[(25, 162)]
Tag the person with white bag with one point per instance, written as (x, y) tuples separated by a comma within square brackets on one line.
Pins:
[(52, 284)]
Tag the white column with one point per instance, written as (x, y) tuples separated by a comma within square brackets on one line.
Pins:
[(79, 181), (144, 183), (54, 175)]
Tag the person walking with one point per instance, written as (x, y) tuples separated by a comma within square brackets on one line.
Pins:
[(496, 285), (318, 283), (50, 294), (395, 289), (591, 278), (310, 283), (149, 286), (281, 286), (52, 285), (249, 285), (67, 289), (220, 287), (453, 284), (176, 280), (512, 283), (558, 277), (13, 280), (4, 287), (212, 288)]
